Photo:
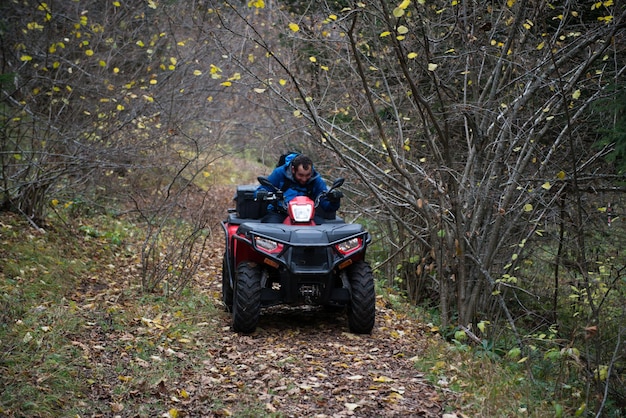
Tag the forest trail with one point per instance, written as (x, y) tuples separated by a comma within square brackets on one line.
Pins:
[(303, 362)]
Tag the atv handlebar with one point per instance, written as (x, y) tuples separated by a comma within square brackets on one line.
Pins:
[(275, 194)]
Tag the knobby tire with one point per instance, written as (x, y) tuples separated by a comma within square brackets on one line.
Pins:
[(247, 298), (362, 308)]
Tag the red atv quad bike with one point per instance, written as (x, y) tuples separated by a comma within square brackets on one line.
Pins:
[(295, 262)]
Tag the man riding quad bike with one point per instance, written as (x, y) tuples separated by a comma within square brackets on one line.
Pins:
[(296, 262)]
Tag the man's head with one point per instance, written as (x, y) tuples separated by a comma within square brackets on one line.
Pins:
[(301, 169)]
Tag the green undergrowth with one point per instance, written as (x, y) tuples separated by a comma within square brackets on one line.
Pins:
[(77, 337), (484, 380)]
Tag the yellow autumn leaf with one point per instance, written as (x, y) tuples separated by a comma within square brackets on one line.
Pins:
[(385, 33), (197, 72), (26, 58), (184, 394), (312, 59), (404, 4), (89, 52), (528, 207), (34, 25), (140, 43), (282, 82), (412, 55), (173, 413), (54, 202), (398, 12), (546, 185), (601, 372), (117, 4), (294, 27), (432, 67), (576, 94), (403, 30), (152, 4), (383, 379), (120, 107), (560, 175), (482, 326), (259, 4), (541, 45)]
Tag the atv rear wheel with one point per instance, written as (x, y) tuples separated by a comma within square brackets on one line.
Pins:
[(227, 290), (362, 307), (247, 298)]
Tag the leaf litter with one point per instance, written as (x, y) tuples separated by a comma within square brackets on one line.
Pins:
[(138, 358)]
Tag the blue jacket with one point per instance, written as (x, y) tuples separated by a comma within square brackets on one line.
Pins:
[(313, 187)]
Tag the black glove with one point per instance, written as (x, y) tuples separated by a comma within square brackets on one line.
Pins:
[(334, 195), (261, 194)]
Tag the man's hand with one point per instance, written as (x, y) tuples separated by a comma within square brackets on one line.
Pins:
[(261, 194), (334, 195)]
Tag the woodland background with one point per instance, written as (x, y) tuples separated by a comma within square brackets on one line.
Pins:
[(483, 143)]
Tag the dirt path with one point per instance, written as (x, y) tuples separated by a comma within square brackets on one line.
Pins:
[(299, 363), (303, 362), (306, 364)]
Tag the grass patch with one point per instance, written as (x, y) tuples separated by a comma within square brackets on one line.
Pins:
[(484, 380), (77, 336)]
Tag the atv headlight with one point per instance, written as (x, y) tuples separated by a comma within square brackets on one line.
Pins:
[(267, 245), (348, 246), (302, 213)]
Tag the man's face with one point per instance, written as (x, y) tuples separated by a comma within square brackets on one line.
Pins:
[(301, 174)]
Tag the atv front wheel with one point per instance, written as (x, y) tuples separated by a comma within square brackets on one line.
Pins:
[(362, 307), (227, 290), (247, 298)]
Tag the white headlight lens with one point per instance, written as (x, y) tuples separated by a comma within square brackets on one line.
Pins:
[(266, 244), (302, 213), (349, 245)]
